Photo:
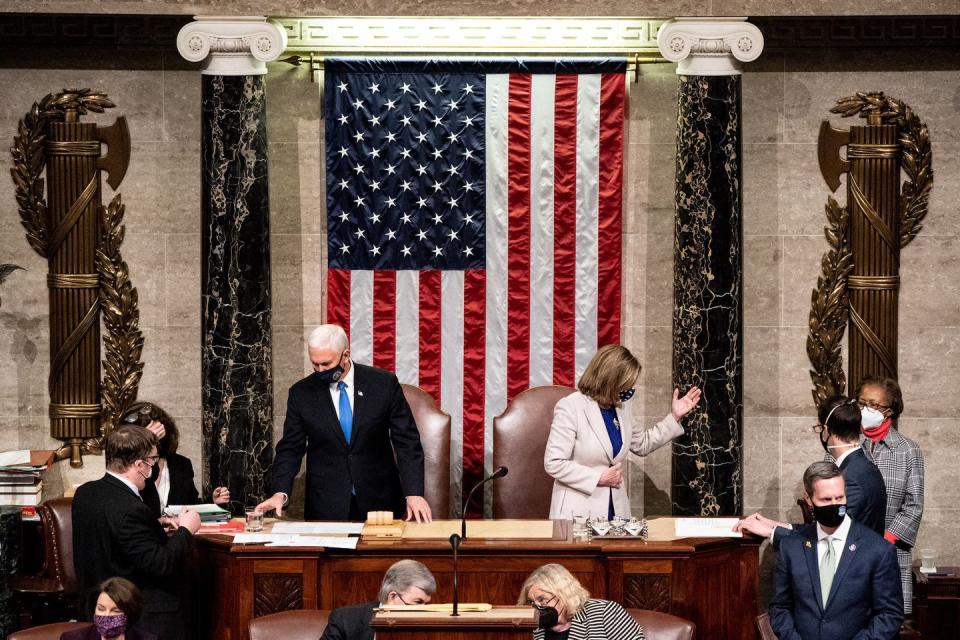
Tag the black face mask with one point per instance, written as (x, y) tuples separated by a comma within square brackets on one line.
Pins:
[(829, 515), (549, 616), (333, 374), (626, 394), (823, 441)]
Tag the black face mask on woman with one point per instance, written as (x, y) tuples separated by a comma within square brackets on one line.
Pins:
[(549, 616)]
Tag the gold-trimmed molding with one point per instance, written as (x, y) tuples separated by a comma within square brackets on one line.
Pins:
[(364, 35)]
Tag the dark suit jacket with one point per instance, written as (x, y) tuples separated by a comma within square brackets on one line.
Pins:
[(865, 600), (866, 495), (90, 633), (383, 461), (182, 489), (350, 623), (117, 534)]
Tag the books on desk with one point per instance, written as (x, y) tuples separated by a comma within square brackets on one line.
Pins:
[(209, 513), (20, 483)]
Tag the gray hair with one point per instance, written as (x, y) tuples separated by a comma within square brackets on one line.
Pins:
[(328, 336), (405, 574), (822, 470)]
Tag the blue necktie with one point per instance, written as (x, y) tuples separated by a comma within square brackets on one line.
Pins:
[(346, 413)]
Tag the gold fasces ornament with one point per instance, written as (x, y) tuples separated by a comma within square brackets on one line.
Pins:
[(860, 280), (81, 240)]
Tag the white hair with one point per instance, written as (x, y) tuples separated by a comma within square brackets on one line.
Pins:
[(328, 336)]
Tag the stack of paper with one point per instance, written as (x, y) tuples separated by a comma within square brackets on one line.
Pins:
[(20, 483), (209, 513)]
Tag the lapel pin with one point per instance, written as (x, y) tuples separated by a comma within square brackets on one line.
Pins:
[(360, 393), (807, 544), (852, 547)]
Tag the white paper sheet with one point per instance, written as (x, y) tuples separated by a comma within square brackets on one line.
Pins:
[(318, 528), (202, 509), (707, 528), (317, 541), (8, 458), (263, 538)]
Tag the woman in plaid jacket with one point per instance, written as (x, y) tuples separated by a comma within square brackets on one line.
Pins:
[(900, 461)]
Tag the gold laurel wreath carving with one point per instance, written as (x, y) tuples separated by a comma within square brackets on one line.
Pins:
[(916, 157), (829, 309), (123, 342)]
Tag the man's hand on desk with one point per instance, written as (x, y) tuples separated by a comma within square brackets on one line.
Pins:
[(276, 501), (757, 525), (189, 519), (418, 509)]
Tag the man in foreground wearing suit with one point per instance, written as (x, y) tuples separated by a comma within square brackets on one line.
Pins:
[(116, 534), (355, 427), (835, 579), (405, 582)]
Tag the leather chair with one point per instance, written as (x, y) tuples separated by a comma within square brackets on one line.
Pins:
[(663, 626), (48, 631), (763, 626), (519, 440), (302, 624), (434, 426), (55, 589)]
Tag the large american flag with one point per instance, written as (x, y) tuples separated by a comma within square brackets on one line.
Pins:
[(474, 227)]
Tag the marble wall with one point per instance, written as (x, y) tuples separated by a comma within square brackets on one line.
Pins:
[(785, 95)]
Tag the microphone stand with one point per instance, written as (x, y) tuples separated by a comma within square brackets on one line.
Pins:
[(498, 473), (455, 543)]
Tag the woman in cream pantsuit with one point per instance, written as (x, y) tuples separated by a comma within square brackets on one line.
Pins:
[(585, 451)]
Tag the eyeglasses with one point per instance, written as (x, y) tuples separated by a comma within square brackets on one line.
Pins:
[(873, 405), (543, 601), (817, 428), (151, 460), (142, 416)]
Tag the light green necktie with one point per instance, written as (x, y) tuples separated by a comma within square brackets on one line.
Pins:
[(828, 566)]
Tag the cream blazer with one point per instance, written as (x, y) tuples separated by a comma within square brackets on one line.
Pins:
[(579, 451)]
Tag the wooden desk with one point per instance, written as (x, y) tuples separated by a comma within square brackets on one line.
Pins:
[(712, 581), (936, 602)]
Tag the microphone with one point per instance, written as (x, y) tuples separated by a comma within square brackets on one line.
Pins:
[(499, 472), (455, 543)]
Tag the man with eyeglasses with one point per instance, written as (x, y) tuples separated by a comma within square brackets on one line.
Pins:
[(116, 534)]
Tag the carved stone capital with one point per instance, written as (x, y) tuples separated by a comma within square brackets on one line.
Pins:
[(232, 45), (709, 46)]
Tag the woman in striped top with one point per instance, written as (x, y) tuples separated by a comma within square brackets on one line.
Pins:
[(567, 612)]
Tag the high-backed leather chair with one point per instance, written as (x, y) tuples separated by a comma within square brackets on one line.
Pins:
[(48, 631), (763, 626), (519, 440), (434, 426), (663, 626), (302, 624), (55, 588)]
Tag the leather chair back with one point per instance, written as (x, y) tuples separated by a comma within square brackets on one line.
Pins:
[(48, 631), (302, 624), (57, 520), (663, 626), (763, 626), (434, 426), (519, 440)]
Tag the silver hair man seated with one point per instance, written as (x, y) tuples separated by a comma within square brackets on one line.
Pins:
[(405, 582)]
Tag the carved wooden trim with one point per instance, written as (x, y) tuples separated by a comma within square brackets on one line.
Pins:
[(647, 591), (276, 592)]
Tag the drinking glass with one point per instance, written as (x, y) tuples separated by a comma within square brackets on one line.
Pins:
[(617, 524), (580, 529), (928, 561), (254, 520), (600, 526), (634, 526)]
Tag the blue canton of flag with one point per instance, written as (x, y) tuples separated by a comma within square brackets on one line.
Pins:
[(405, 171)]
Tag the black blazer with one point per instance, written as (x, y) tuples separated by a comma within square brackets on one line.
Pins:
[(182, 489), (350, 623), (116, 534), (383, 461)]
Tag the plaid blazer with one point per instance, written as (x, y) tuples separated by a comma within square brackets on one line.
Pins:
[(601, 620)]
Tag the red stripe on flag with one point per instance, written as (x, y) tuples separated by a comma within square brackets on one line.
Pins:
[(564, 228), (385, 319), (609, 236), (338, 298), (518, 235), (429, 369), (474, 374)]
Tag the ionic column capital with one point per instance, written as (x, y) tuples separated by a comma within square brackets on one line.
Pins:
[(709, 46), (232, 45)]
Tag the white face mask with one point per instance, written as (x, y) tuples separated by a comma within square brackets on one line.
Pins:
[(870, 417)]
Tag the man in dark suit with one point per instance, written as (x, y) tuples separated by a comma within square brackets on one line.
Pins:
[(835, 579), (116, 534), (839, 432), (405, 582), (355, 427)]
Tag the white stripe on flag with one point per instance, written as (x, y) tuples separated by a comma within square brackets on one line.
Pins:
[(496, 261), (451, 374), (361, 316), (588, 163), (408, 326), (543, 90)]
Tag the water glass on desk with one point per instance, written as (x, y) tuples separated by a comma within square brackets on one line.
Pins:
[(580, 528), (254, 520)]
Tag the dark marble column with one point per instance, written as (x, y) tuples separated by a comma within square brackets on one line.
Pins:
[(708, 272), (236, 368)]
